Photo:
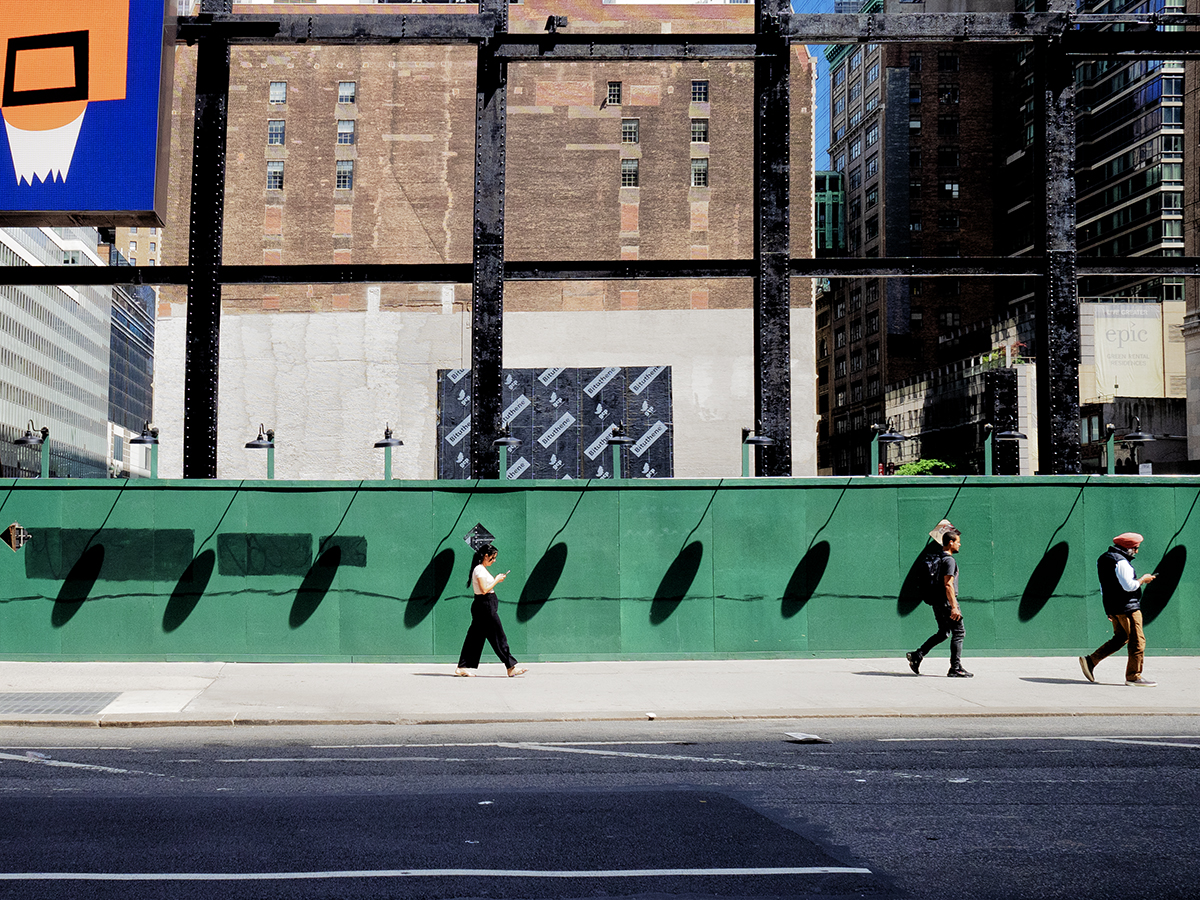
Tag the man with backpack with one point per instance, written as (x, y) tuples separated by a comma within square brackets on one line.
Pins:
[(943, 597)]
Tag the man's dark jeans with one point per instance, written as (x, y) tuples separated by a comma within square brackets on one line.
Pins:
[(947, 628)]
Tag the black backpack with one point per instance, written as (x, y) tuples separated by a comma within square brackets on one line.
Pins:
[(935, 590)]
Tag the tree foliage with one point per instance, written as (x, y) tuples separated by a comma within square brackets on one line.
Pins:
[(925, 467)]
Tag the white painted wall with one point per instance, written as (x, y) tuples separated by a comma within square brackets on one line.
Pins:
[(329, 382)]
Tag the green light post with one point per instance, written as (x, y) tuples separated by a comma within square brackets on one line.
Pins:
[(882, 434), (502, 444), (149, 437), (387, 444), (32, 438), (988, 437), (1110, 449), (617, 440), (265, 442), (750, 439)]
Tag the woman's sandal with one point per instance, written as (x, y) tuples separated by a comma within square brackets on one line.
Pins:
[(463, 673), (514, 672)]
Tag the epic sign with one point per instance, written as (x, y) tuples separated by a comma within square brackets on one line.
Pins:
[(86, 89)]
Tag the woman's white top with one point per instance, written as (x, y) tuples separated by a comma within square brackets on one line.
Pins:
[(482, 579)]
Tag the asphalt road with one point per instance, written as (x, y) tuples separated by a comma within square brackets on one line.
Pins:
[(941, 808)]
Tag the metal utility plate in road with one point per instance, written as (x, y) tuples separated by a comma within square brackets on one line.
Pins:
[(482, 843)]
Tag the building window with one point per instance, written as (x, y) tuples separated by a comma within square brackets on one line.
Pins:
[(629, 173), (1172, 115), (856, 361), (855, 150), (699, 91), (70, 257), (856, 332), (872, 102), (872, 228), (873, 350), (839, 339), (614, 94), (855, 300), (133, 246), (914, 190), (347, 91), (855, 179), (947, 61), (855, 117), (872, 165), (839, 369), (855, 91), (914, 158), (948, 190), (840, 164), (873, 73), (1172, 85), (345, 175), (839, 77), (699, 131), (948, 93), (699, 173), (914, 222), (914, 94), (872, 293), (950, 318), (275, 175), (914, 62), (839, 309), (872, 197), (629, 131), (277, 92), (948, 157), (914, 128), (947, 126), (275, 132), (345, 131), (839, 105), (873, 134), (948, 221), (153, 246), (855, 59), (1172, 201)]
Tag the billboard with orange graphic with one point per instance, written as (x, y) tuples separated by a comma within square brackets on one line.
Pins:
[(85, 92)]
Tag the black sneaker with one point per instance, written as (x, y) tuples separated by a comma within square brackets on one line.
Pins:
[(960, 672), (914, 662), (1088, 669)]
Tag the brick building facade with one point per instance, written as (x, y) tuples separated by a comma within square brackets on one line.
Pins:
[(365, 154)]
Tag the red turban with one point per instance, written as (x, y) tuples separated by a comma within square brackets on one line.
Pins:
[(1129, 540)]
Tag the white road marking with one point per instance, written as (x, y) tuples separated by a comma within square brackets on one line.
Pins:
[(491, 744), (1165, 741), (58, 763), (426, 873)]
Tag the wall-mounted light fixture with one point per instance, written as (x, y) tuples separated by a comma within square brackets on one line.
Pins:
[(750, 439), (882, 434), (149, 436), (618, 439), (504, 443), (988, 436), (35, 438)]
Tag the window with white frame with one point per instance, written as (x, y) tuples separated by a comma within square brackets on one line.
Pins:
[(347, 92), (699, 173), (275, 130), (629, 131), (277, 93), (345, 175), (699, 91), (699, 131), (275, 175), (629, 173), (345, 131), (614, 94)]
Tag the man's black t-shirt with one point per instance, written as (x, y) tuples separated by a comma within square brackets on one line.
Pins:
[(947, 566)]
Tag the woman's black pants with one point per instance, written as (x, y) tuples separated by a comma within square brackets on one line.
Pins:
[(485, 623)]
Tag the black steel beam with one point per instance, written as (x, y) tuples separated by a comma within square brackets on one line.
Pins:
[(205, 237), (563, 47), (487, 302), (1057, 321), (340, 28), (772, 239), (601, 270)]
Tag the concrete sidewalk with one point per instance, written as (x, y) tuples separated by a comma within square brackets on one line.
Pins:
[(216, 693)]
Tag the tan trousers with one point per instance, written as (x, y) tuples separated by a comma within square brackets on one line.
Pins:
[(1127, 629)]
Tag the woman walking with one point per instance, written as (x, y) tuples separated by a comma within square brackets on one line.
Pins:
[(485, 618)]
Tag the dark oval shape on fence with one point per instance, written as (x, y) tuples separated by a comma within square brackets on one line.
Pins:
[(805, 578), (189, 589), (676, 582), (916, 582), (428, 589), (541, 582), (1157, 594), (77, 586), (315, 586), (1044, 581)]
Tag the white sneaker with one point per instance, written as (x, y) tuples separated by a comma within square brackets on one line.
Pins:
[(1139, 681)]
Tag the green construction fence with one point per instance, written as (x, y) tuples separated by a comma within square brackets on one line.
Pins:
[(636, 569)]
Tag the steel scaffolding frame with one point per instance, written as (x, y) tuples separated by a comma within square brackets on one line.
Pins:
[(1059, 35)]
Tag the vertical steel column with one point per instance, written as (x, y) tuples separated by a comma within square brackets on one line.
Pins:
[(772, 238), (1058, 301), (203, 340), (487, 302)]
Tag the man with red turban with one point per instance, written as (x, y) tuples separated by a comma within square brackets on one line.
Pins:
[(1121, 590)]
